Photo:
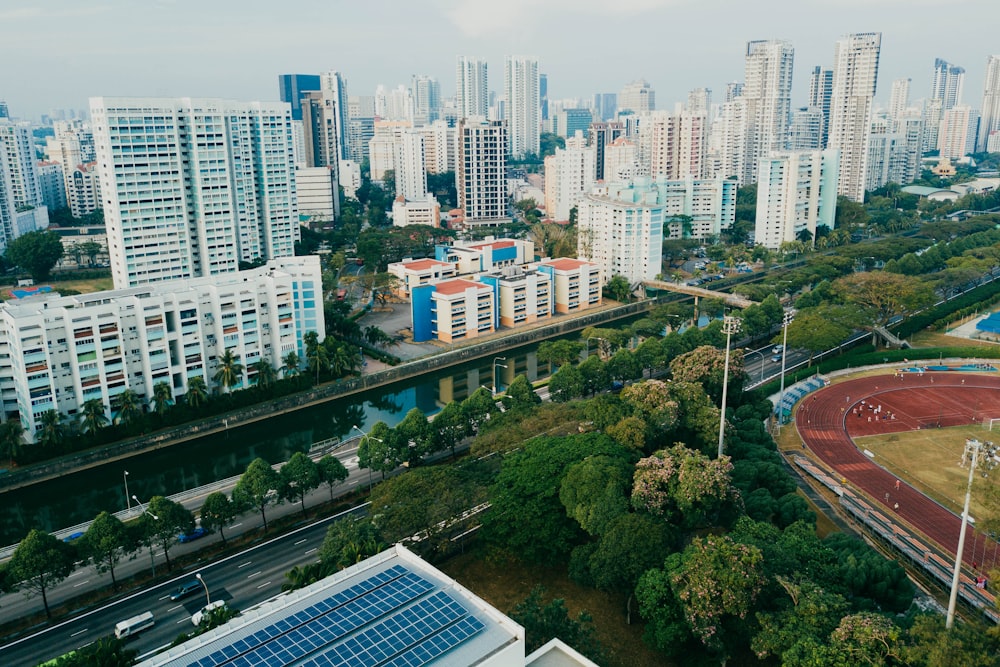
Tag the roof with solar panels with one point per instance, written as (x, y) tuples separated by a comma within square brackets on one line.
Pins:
[(393, 609)]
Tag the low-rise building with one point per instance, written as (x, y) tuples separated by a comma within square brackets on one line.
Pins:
[(522, 295), (576, 284), (488, 255), (452, 310), (423, 211), (415, 272)]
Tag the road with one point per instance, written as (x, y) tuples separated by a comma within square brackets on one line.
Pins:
[(759, 367), (242, 580)]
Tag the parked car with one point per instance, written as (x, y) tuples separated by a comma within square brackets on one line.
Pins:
[(195, 534), (185, 590)]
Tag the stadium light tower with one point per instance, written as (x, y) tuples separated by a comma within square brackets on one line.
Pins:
[(730, 325)]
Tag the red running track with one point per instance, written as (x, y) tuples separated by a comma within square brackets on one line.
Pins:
[(828, 419)]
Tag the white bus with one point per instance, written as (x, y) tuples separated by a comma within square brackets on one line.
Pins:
[(134, 625)]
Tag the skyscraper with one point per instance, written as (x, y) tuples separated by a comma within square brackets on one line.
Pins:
[(411, 172), (523, 110), (426, 99), (820, 90), (193, 187), (637, 97), (855, 76), (947, 83), (805, 130), (292, 86), (673, 145), (543, 94), (956, 137), (600, 136), (989, 120), (481, 172), (767, 94), (900, 97), (472, 94)]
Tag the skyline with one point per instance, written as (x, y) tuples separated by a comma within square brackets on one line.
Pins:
[(109, 50)]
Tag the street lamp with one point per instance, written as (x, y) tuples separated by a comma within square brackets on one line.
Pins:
[(761, 353), (971, 447), (730, 325), (495, 365), (128, 498), (365, 436), (152, 560), (785, 321), (208, 600)]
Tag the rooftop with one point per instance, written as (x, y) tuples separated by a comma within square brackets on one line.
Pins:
[(496, 245), (424, 264), (457, 286), (566, 264)]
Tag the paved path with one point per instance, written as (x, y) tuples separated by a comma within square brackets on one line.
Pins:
[(826, 421)]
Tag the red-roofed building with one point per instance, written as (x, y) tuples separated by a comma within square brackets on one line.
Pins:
[(452, 310), (489, 255), (415, 272), (576, 283)]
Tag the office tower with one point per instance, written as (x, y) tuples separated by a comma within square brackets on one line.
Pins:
[(51, 184), (796, 193), (956, 138), (481, 172), (899, 100), (472, 94), (947, 83), (820, 90), (605, 105), (672, 145), (805, 129), (700, 101), (567, 122), (543, 94), (989, 120), (637, 97), (521, 93), (600, 136), (767, 95), (569, 173), (855, 76), (411, 174), (291, 87), (193, 187), (426, 99)]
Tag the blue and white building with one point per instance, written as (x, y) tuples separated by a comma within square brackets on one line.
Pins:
[(796, 192)]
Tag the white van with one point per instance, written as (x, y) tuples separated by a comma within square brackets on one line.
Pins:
[(134, 625), (211, 606)]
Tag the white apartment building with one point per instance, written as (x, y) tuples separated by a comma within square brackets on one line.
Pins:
[(523, 105), (622, 232), (947, 83), (767, 96), (423, 211), (855, 75), (472, 94), (796, 192), (350, 178), (989, 120), (481, 171), (382, 147), (621, 161), (440, 146), (411, 174), (957, 134), (22, 208), (894, 150), (576, 284), (637, 97), (522, 295), (899, 99), (805, 129), (316, 189), (673, 145), (820, 96), (84, 192), (415, 272), (51, 185), (426, 92), (58, 352), (72, 146), (193, 187), (569, 173)]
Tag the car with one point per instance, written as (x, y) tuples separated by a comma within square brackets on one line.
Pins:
[(777, 349), (185, 590), (72, 538), (198, 615), (776, 359), (195, 534)]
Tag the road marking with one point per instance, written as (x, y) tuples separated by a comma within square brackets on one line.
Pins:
[(164, 598), (182, 620), (81, 583), (78, 632), (299, 542), (251, 576), (236, 525), (352, 483), (175, 607), (78, 572), (310, 551), (264, 584), (244, 564)]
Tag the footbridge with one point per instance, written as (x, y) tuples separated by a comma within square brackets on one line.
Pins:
[(735, 300)]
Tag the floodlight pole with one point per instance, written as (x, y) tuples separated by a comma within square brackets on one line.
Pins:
[(730, 325), (957, 574), (785, 321)]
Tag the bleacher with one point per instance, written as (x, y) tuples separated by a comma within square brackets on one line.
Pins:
[(795, 393)]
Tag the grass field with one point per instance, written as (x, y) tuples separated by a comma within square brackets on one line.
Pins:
[(82, 286), (928, 460)]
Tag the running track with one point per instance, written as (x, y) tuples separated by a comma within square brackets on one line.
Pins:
[(826, 421)]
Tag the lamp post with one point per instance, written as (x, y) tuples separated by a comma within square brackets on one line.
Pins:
[(971, 446), (495, 365), (152, 560), (730, 325), (364, 436), (761, 353), (128, 498), (785, 321), (208, 599)]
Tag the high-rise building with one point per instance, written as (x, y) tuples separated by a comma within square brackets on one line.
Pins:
[(382, 148), (700, 101), (673, 144), (440, 146), (726, 152), (523, 108), (51, 184), (899, 100), (855, 76), (820, 92), (767, 95), (957, 136), (894, 149), (600, 136), (932, 113), (568, 122), (291, 87), (637, 97), (395, 104), (947, 83), (569, 173), (989, 120), (22, 208), (481, 172), (4, 110), (193, 187), (621, 161), (796, 193), (805, 129), (472, 93), (411, 173), (84, 192), (426, 99), (733, 90), (543, 94), (360, 131), (72, 146), (605, 105)]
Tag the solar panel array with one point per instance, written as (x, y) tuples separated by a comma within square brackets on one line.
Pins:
[(404, 631)]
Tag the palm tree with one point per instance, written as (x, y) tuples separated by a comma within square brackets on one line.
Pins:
[(92, 416), (197, 391), (291, 364), (129, 406), (316, 354), (230, 371), (10, 438), (162, 396), (344, 360), (52, 431), (264, 372)]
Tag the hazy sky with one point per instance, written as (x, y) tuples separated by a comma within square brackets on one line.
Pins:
[(57, 53)]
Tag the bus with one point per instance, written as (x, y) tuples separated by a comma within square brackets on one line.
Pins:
[(134, 625)]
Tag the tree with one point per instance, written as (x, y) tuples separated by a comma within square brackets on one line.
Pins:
[(40, 562), (543, 622), (350, 541), (478, 407), (217, 512), (197, 392), (343, 359), (520, 394), (379, 450), (653, 403), (629, 432), (172, 519), (449, 427), (413, 436), (705, 365), (256, 486), (105, 543), (290, 364), (129, 407), (35, 252), (623, 366), (881, 295), (817, 330), (595, 375), (105, 652), (52, 432), (559, 352), (162, 397), (299, 476), (317, 357), (566, 384), (685, 487), (92, 417), (331, 472), (595, 491), (229, 372), (618, 289), (11, 433), (264, 374)]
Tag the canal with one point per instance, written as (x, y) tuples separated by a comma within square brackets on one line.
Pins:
[(79, 497)]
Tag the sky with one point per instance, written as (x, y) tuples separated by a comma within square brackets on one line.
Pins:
[(54, 54)]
